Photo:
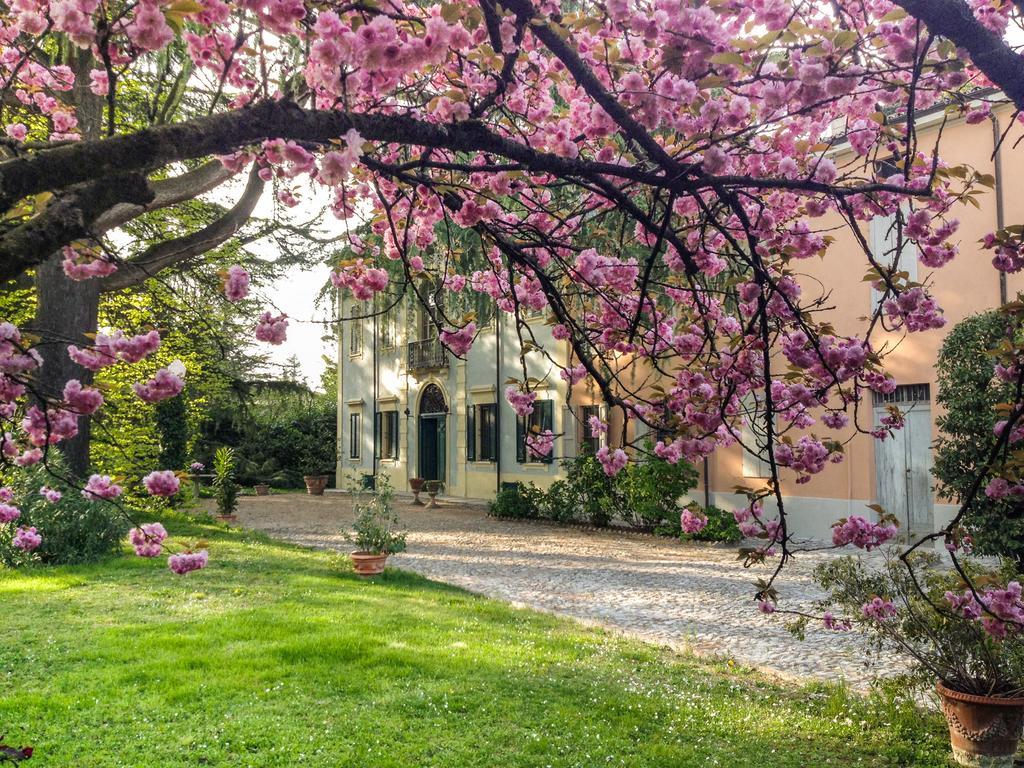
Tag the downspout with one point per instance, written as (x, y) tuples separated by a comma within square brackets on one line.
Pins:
[(376, 377), (497, 401), (707, 484), (997, 156), (339, 469)]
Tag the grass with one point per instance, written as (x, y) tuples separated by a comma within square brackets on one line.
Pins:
[(280, 656)]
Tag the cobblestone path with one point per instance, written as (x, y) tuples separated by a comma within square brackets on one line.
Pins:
[(694, 597)]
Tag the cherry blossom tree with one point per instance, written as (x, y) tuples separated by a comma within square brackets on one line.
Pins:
[(651, 175)]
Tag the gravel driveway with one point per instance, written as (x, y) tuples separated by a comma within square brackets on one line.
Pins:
[(686, 596)]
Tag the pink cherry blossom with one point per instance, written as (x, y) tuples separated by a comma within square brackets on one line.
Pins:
[(692, 522), (161, 483), (272, 329), (613, 461), (236, 283), (101, 487), (147, 539), (50, 494), (185, 562), (27, 539), (164, 384)]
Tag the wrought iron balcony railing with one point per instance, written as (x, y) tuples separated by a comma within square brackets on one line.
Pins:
[(428, 353)]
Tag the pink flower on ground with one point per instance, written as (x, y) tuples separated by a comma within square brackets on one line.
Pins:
[(50, 494), (612, 461), (27, 539), (101, 487), (6, 494), (236, 283), (161, 483), (691, 522), (147, 539), (272, 329), (8, 513), (188, 561)]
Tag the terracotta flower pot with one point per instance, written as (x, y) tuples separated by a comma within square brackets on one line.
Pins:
[(368, 564), (315, 484), (983, 730), (262, 489), (416, 485)]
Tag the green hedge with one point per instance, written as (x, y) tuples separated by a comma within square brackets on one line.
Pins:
[(644, 495)]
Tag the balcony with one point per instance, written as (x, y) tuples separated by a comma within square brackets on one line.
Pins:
[(427, 354)]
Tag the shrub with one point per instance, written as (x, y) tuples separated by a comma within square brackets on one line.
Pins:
[(721, 526), (651, 490), (597, 499), (375, 529), (225, 489), (74, 529), (968, 394), (517, 501)]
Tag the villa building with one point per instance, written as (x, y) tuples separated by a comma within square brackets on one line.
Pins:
[(406, 408)]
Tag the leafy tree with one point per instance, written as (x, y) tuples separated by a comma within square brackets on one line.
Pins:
[(969, 393)]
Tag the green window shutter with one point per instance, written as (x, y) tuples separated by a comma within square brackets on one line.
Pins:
[(378, 419), (471, 433), (491, 438), (393, 428), (521, 439)]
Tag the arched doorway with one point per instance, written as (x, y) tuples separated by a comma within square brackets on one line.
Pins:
[(433, 419)]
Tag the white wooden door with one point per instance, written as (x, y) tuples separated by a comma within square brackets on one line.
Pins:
[(903, 470)]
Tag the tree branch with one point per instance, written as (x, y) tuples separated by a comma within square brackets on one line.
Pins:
[(67, 218), (170, 252), (954, 20)]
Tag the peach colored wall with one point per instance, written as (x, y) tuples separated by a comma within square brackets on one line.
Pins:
[(966, 285)]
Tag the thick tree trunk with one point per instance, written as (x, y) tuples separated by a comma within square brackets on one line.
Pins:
[(65, 311)]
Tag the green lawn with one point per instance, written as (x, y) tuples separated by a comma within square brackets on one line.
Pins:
[(279, 656)]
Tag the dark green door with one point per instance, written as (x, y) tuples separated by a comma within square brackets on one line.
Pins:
[(432, 447)]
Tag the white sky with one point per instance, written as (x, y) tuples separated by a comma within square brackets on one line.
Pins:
[(296, 291)]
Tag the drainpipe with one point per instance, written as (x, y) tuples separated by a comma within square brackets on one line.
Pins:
[(497, 400), (707, 483), (376, 394), (997, 156)]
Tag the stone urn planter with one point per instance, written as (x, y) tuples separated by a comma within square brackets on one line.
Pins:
[(433, 487), (315, 484), (983, 730), (368, 564), (416, 485), (262, 489)]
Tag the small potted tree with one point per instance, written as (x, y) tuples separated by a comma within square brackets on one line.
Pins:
[(225, 489), (375, 532), (964, 636)]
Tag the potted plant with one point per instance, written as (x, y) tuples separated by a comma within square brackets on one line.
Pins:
[(416, 485), (433, 487), (315, 484), (225, 490), (375, 532), (261, 489), (964, 636)]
